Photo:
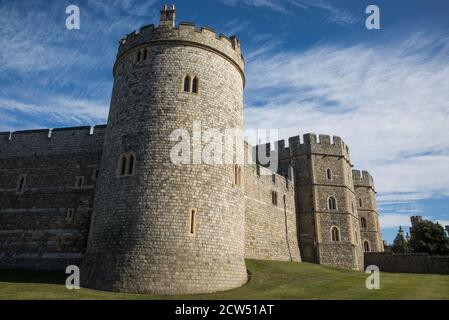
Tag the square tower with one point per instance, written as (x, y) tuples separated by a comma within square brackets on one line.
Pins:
[(328, 221)]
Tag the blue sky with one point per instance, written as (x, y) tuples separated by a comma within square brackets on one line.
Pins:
[(311, 66)]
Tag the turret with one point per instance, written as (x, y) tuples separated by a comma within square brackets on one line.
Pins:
[(328, 220), (415, 220), (367, 207), (153, 228)]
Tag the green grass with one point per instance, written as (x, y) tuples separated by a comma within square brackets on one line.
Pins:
[(269, 280)]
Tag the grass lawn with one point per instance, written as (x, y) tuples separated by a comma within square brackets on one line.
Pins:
[(270, 280)]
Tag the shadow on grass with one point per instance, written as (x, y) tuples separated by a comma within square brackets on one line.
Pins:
[(32, 276)]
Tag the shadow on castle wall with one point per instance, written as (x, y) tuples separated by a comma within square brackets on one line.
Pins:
[(33, 276)]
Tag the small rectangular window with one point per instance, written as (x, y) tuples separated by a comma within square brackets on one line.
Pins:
[(95, 174), (192, 221), (70, 215), (274, 198), (273, 178), (21, 183), (79, 182), (237, 175)]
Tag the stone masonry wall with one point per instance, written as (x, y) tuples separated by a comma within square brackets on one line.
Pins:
[(46, 225), (367, 208), (141, 240), (270, 230), (408, 263), (311, 160)]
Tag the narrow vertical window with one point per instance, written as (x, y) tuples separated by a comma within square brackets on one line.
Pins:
[(360, 203), (145, 54), (95, 174), (79, 182), (21, 184), (187, 84), (138, 56), (126, 164), (192, 221), (237, 175), (274, 198), (335, 234), (332, 203), (329, 174), (70, 215), (121, 166), (366, 246), (236, 178), (130, 165), (363, 222), (195, 85)]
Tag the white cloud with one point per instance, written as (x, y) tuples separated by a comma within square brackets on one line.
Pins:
[(394, 220), (388, 101), (61, 77), (25, 43), (34, 38), (271, 4), (234, 26), (60, 109), (334, 14), (337, 15)]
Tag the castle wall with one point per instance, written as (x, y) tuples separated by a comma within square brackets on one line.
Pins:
[(270, 230), (165, 227), (408, 263), (36, 229)]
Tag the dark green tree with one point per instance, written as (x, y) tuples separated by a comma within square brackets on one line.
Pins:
[(400, 244), (429, 237)]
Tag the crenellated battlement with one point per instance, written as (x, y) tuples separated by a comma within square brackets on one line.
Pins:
[(186, 33), (362, 178), (309, 144), (51, 141)]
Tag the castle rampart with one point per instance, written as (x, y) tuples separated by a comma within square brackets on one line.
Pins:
[(186, 34), (47, 185), (51, 141), (270, 215), (310, 143), (363, 179)]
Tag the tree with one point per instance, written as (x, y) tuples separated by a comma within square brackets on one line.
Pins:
[(400, 244), (429, 237)]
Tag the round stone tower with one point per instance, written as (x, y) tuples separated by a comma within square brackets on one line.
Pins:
[(162, 227)]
